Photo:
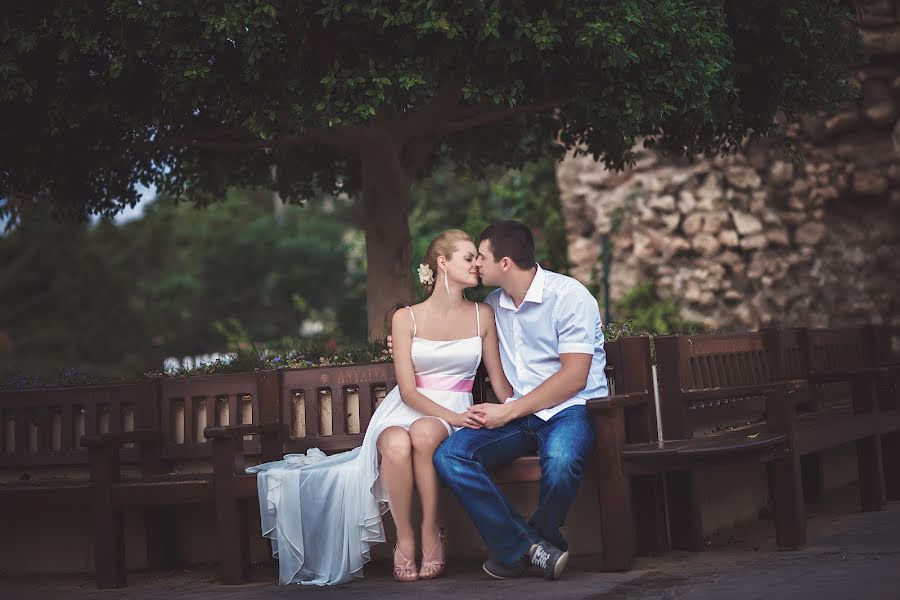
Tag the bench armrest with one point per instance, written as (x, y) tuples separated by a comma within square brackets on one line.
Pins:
[(138, 436), (239, 431)]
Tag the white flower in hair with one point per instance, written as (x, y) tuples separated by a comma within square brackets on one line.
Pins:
[(426, 275)]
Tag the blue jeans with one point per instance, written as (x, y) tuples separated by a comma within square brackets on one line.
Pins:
[(465, 459)]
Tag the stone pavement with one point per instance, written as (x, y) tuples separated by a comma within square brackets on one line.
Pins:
[(850, 555)]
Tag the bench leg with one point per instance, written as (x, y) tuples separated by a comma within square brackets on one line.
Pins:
[(890, 456), (787, 501), (650, 515), (685, 519), (871, 474), (162, 548), (109, 537), (234, 551), (109, 549), (813, 478), (614, 492)]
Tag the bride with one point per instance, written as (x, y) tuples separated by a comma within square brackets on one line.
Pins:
[(323, 513)]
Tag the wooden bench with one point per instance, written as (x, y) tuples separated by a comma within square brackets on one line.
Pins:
[(40, 429), (720, 405), (181, 408), (842, 404), (628, 412)]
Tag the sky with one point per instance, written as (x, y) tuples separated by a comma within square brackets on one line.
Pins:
[(148, 195)]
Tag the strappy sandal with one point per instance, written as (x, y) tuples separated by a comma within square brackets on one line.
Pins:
[(433, 564), (405, 568)]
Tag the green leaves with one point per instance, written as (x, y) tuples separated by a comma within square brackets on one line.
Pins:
[(692, 77)]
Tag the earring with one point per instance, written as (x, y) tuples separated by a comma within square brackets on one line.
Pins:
[(446, 282)]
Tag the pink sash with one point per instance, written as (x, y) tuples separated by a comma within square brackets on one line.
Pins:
[(444, 384)]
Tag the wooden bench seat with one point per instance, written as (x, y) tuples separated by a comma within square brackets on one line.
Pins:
[(58, 493)]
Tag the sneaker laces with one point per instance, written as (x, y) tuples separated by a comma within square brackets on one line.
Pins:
[(540, 557)]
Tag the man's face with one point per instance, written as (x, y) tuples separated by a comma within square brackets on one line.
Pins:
[(490, 271)]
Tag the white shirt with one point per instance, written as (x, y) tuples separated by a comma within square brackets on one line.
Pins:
[(558, 316)]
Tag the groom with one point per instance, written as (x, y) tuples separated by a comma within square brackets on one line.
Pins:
[(551, 347)]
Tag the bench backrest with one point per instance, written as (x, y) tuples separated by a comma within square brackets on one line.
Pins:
[(330, 407), (188, 404), (837, 349), (43, 427), (618, 354), (706, 382)]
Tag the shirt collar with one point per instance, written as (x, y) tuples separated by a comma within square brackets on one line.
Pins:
[(534, 294)]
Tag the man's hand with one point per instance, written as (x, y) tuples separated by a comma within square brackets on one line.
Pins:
[(492, 416), (390, 342)]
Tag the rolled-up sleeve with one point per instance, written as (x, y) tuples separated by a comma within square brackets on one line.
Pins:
[(577, 320)]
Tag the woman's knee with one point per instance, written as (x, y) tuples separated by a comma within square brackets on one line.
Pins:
[(427, 434), (394, 444)]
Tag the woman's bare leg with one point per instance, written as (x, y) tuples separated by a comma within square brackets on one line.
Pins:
[(426, 435), (395, 448)]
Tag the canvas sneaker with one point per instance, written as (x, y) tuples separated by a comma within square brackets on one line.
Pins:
[(549, 558)]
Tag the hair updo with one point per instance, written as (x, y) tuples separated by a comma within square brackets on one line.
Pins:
[(442, 245)]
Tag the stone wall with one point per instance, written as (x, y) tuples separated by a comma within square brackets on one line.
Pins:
[(755, 239)]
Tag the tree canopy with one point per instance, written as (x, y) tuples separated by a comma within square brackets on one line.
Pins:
[(196, 96)]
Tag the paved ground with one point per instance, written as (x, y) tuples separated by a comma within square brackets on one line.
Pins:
[(850, 555)]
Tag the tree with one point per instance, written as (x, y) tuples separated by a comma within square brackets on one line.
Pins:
[(119, 299), (359, 96)]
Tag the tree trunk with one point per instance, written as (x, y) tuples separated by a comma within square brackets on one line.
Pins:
[(389, 278)]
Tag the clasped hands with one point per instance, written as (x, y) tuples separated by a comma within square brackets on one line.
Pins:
[(487, 416)]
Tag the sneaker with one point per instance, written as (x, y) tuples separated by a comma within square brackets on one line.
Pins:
[(549, 558), (500, 571)]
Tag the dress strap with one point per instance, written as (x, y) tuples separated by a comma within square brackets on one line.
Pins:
[(478, 320), (413, 315)]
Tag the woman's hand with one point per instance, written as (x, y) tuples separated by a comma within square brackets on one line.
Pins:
[(465, 419)]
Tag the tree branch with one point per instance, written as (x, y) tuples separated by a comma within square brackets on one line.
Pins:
[(348, 139), (417, 153), (489, 117), (445, 100)]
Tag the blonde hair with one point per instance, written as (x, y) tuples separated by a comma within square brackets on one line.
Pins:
[(444, 244)]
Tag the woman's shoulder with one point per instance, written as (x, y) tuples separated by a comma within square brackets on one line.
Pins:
[(486, 316), (485, 309), (402, 319)]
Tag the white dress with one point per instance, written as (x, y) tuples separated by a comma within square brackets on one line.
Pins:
[(323, 513)]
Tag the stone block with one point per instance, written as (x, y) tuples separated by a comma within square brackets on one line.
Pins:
[(729, 238), (778, 237), (705, 244), (664, 203), (781, 172), (757, 241), (880, 42), (870, 183), (745, 223), (810, 234), (742, 178)]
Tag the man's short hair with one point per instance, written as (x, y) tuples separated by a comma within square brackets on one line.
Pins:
[(511, 239)]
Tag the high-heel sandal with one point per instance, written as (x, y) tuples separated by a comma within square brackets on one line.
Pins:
[(405, 570), (433, 565)]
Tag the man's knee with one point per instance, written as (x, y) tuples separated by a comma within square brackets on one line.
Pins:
[(447, 458), (563, 466)]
